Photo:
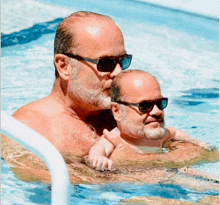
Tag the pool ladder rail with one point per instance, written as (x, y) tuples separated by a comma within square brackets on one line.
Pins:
[(60, 193)]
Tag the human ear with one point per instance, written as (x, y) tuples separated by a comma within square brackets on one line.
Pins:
[(63, 66), (116, 111)]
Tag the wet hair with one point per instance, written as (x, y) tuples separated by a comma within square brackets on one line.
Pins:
[(116, 86), (65, 38)]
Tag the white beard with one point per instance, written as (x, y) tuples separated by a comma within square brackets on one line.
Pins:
[(156, 133), (91, 95), (138, 131)]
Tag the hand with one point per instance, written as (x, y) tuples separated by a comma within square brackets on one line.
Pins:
[(197, 173), (207, 146), (113, 137), (211, 148), (101, 163)]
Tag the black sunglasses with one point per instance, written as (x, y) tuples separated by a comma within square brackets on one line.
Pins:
[(147, 105), (106, 64)]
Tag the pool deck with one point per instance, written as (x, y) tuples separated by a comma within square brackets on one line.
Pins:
[(207, 8)]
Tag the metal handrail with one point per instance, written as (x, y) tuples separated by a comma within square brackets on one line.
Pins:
[(36, 143)]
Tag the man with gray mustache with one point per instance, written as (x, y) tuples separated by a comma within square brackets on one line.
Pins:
[(138, 108)]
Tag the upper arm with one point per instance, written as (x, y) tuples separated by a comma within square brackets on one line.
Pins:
[(172, 132), (179, 135)]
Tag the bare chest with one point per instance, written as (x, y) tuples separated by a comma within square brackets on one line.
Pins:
[(73, 137)]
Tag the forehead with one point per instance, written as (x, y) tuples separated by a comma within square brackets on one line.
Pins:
[(139, 87), (99, 37)]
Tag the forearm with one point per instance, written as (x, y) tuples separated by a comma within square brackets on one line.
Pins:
[(97, 150), (25, 165), (179, 135), (16, 155), (99, 153), (197, 173), (102, 148)]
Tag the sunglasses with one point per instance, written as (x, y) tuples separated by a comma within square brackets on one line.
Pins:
[(106, 64), (147, 105)]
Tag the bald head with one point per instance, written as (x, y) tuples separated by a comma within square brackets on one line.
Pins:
[(134, 84), (66, 31), (137, 107), (81, 27)]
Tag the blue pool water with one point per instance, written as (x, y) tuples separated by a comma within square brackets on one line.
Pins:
[(181, 50), (27, 193)]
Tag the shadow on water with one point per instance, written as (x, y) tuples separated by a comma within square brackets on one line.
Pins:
[(194, 25), (197, 99), (205, 93), (30, 34), (39, 195), (113, 193)]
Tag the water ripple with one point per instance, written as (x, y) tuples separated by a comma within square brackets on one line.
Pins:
[(30, 34), (202, 93)]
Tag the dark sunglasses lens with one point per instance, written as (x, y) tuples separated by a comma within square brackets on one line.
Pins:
[(106, 65), (148, 106), (145, 107), (162, 104), (125, 62)]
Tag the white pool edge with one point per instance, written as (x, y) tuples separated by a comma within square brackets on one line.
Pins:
[(206, 8), (33, 141)]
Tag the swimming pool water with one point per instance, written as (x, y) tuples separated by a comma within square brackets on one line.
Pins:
[(181, 50), (29, 193)]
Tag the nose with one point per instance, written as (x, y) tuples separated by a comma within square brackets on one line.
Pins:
[(156, 111), (116, 71)]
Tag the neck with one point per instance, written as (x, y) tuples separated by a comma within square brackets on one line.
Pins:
[(60, 94), (71, 103)]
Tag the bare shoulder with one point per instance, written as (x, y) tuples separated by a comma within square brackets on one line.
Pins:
[(171, 131), (27, 111), (37, 114)]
